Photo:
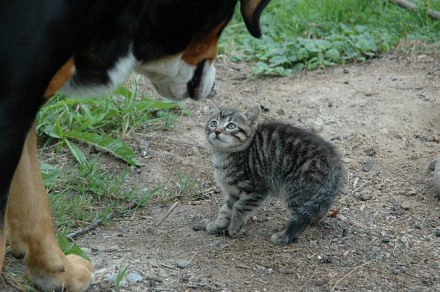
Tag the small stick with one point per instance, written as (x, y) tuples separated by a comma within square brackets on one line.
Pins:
[(94, 224), (167, 214), (243, 267), (348, 274), (152, 278)]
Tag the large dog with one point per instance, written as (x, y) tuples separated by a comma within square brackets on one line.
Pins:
[(74, 45)]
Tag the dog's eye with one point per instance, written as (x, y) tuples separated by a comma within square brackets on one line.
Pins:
[(213, 124), (231, 126)]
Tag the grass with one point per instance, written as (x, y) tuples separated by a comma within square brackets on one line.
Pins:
[(184, 186), (306, 35), (83, 190)]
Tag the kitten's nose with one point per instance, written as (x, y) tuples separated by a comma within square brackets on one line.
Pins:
[(217, 133)]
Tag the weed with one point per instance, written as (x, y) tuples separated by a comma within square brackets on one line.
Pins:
[(183, 188), (86, 193), (96, 121), (119, 278)]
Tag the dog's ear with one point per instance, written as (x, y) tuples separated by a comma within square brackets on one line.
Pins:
[(251, 11)]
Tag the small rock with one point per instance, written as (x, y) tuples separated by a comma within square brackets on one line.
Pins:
[(219, 284), (264, 108), (366, 197), (281, 112), (123, 283), (182, 264), (384, 131), (437, 232), (370, 152), (368, 165), (406, 205), (325, 259), (134, 278), (385, 240), (345, 71), (143, 147), (346, 160), (110, 278)]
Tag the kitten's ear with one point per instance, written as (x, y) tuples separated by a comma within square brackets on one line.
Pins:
[(252, 114), (212, 108)]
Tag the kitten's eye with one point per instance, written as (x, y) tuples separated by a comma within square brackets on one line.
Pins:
[(213, 124), (231, 126)]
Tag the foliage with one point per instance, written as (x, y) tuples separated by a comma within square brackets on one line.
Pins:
[(305, 35), (96, 120)]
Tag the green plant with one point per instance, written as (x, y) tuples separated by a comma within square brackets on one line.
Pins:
[(119, 278), (183, 187), (306, 35), (86, 193), (96, 121)]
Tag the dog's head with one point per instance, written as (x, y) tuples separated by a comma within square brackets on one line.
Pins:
[(176, 44)]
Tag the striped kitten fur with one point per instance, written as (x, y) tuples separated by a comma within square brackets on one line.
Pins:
[(253, 161)]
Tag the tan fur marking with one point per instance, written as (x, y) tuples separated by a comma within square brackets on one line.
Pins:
[(58, 80), (203, 47), (30, 231), (2, 248)]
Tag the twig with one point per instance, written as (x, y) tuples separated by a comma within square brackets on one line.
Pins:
[(98, 222), (348, 274), (243, 266), (167, 214), (411, 6), (152, 278)]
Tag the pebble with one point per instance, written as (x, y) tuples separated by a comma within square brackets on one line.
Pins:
[(134, 278), (368, 165), (182, 264), (437, 233), (405, 205)]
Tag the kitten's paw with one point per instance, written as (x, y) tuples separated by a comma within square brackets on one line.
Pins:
[(282, 238), (214, 228), (233, 231)]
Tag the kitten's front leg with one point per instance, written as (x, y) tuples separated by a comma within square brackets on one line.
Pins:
[(221, 224), (241, 211)]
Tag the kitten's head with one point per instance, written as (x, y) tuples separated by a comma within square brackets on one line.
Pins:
[(228, 130)]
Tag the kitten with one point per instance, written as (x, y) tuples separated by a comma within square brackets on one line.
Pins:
[(252, 161)]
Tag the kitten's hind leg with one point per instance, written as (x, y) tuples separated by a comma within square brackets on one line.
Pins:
[(241, 211), (306, 214), (221, 224)]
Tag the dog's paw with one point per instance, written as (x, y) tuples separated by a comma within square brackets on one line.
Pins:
[(76, 274)]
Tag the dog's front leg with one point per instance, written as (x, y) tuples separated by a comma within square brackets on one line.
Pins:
[(30, 230)]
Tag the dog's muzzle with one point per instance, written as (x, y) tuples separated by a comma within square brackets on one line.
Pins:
[(203, 81)]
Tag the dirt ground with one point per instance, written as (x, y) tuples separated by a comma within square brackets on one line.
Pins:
[(383, 115)]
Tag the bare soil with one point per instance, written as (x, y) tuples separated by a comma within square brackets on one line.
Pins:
[(383, 115)]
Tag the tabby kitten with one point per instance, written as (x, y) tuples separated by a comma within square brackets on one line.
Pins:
[(252, 161)]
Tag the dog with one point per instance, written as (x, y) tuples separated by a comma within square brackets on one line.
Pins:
[(88, 46)]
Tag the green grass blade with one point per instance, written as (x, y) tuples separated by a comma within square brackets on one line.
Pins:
[(77, 153), (115, 146), (70, 248), (50, 174)]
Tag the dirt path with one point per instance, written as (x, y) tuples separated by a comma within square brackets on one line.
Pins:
[(383, 115)]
